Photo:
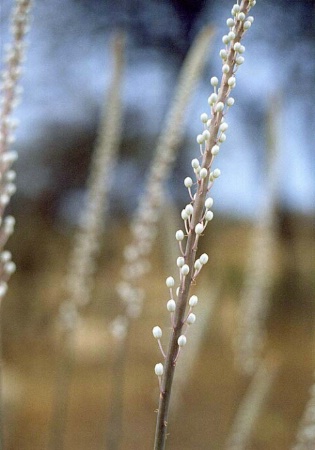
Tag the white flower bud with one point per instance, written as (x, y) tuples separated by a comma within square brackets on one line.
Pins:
[(223, 127), (184, 215), (170, 282), (225, 39), (195, 163), (220, 106), (237, 46), (241, 16), (188, 182), (181, 341), (230, 22), (184, 270), (225, 68), (171, 305), (216, 173), (203, 173), (159, 369), (230, 101), (242, 49), (232, 82), (236, 9), (214, 81), (5, 256), (193, 300), (179, 235), (197, 264), (206, 134), (3, 288), (215, 150), (212, 99), (250, 19), (199, 228), (191, 319), (247, 25), (222, 137), (231, 35), (209, 202), (209, 216), (200, 139), (204, 117), (223, 54), (180, 261), (204, 258), (10, 267), (239, 60), (157, 332), (189, 209)]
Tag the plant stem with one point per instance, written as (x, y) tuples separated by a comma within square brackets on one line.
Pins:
[(191, 243)]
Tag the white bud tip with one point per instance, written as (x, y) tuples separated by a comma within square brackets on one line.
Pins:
[(193, 300), (157, 332), (215, 150), (199, 228), (179, 235), (204, 258), (200, 139), (180, 261), (241, 16), (216, 173), (225, 68), (189, 208), (188, 182), (220, 105), (204, 117), (159, 369), (209, 203), (171, 305), (230, 22), (209, 216), (232, 81), (203, 173), (181, 341), (214, 81), (191, 319), (230, 101), (170, 282), (195, 163), (206, 134), (184, 270)]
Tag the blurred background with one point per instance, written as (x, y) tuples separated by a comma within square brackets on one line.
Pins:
[(66, 79)]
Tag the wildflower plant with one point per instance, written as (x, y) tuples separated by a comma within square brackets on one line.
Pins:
[(197, 213), (10, 97)]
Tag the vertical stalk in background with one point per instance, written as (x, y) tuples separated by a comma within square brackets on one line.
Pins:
[(259, 273), (305, 438), (86, 242), (144, 224), (10, 96), (251, 405), (197, 214)]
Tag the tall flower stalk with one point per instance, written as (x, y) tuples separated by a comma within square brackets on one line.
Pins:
[(197, 212), (10, 96), (82, 264)]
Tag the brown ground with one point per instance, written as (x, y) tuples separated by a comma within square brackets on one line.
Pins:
[(213, 391)]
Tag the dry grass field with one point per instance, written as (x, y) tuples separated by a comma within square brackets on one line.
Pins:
[(209, 398)]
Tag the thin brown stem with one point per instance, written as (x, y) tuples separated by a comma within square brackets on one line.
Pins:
[(191, 245)]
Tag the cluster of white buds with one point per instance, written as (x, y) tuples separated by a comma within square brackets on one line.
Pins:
[(197, 213), (10, 94)]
